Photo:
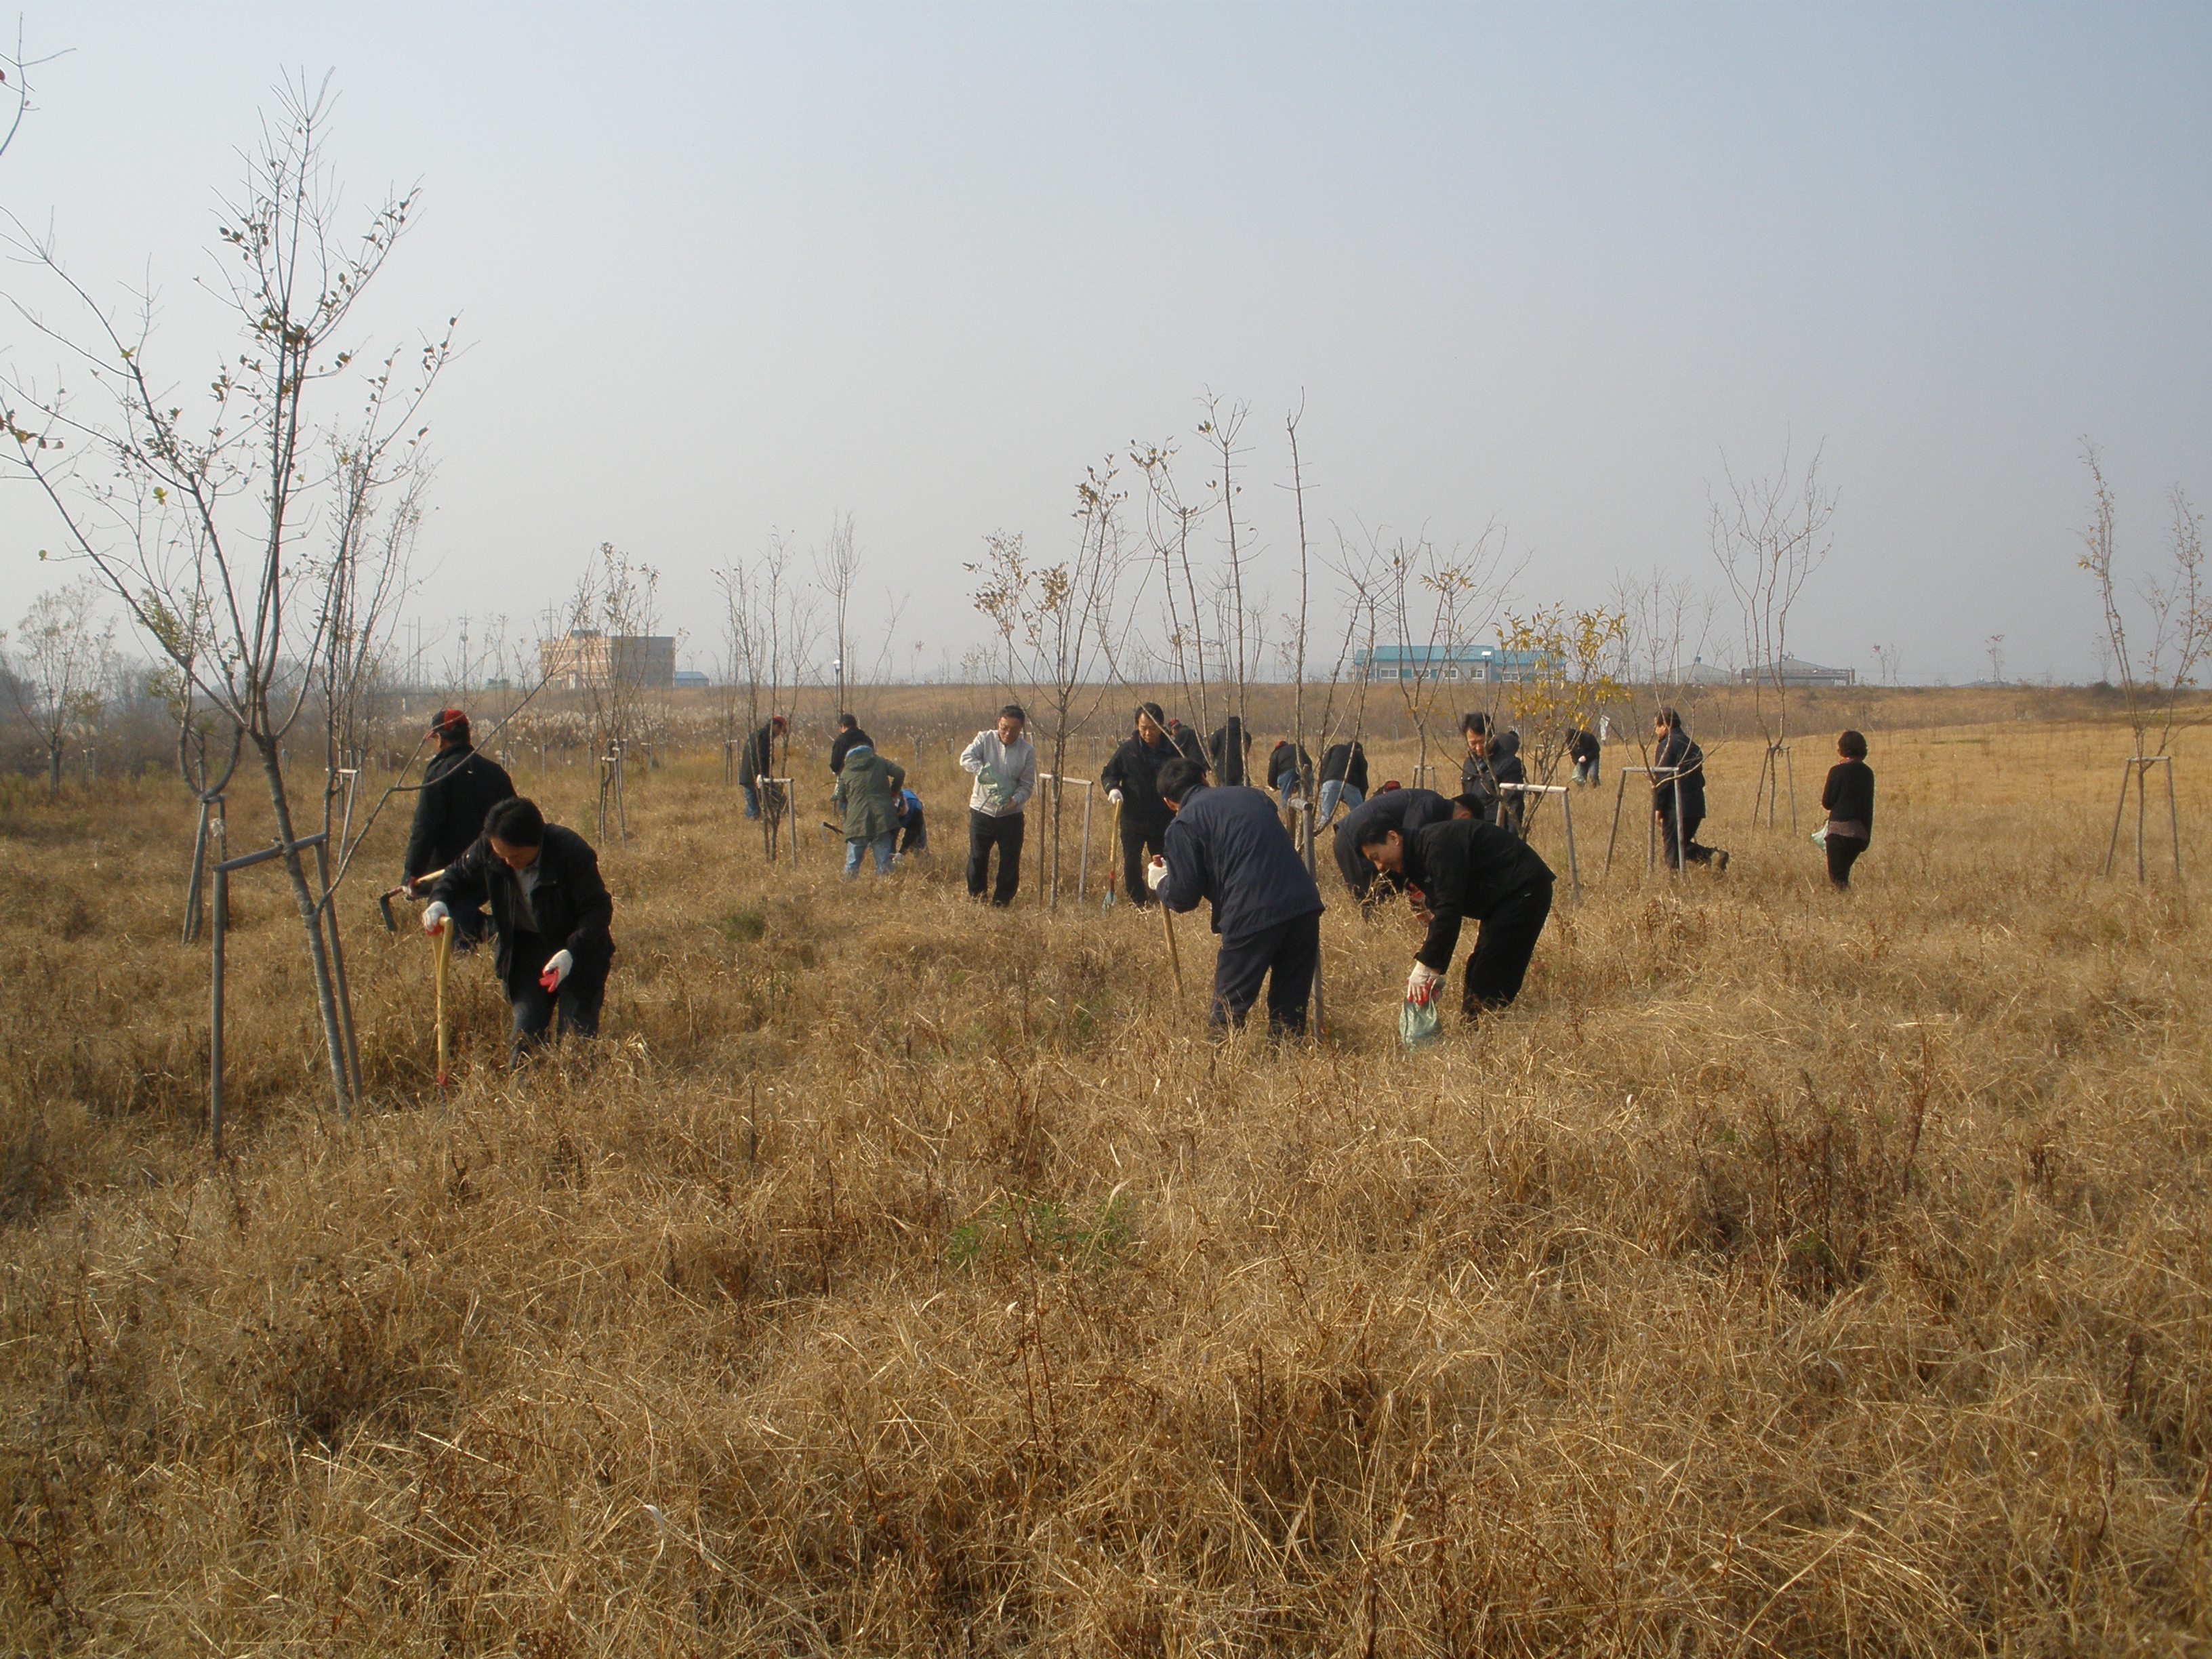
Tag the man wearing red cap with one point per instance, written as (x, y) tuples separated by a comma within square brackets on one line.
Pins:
[(460, 788)]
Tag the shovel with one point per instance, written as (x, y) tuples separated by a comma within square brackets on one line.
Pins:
[(441, 951)]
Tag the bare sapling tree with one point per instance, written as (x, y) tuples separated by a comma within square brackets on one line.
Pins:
[(15, 88), (1238, 650), (1769, 536), (1168, 523), (1435, 605), (2157, 661), (1668, 624), (614, 610), (838, 573), (1059, 624), (63, 660), (174, 508)]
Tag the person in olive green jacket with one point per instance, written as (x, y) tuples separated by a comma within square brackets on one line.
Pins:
[(867, 794)]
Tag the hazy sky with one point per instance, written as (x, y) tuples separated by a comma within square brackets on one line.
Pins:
[(724, 271)]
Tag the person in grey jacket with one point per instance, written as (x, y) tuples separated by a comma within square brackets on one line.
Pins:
[(1228, 846), (1004, 764)]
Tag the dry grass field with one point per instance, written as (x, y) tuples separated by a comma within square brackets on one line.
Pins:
[(1788, 1273)]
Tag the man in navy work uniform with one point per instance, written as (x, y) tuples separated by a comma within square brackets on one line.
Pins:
[(1228, 846)]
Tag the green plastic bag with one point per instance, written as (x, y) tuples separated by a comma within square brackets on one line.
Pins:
[(1419, 1024)]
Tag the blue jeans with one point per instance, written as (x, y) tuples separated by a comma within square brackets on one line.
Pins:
[(1586, 772), (752, 801), (1331, 792), (881, 847)]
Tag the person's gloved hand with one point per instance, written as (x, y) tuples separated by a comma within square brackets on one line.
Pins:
[(1421, 983), (557, 968), (1114, 797), (1156, 872), (434, 916)]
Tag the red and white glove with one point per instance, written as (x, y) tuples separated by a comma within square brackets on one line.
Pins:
[(1421, 983), (1156, 872), (434, 917), (557, 968)]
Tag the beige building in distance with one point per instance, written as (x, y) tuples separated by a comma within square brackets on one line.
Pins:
[(586, 657)]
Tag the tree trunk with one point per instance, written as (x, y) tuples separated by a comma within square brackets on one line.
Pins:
[(53, 772), (303, 895)]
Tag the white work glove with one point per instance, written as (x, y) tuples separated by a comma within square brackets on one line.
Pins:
[(1421, 983), (434, 916), (1154, 873), (1114, 797), (557, 968)]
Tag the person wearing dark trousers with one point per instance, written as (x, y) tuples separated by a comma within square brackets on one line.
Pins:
[(1475, 777), (1227, 847), (459, 787), (1004, 764), (1131, 777), (848, 733), (1506, 767), (1287, 766), (1405, 810), (1849, 797), (757, 760), (913, 831), (1230, 752), (1464, 867), (1583, 749), (1343, 778), (1681, 760), (550, 911)]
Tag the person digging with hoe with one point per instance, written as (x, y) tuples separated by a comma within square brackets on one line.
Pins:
[(550, 912), (1227, 845), (459, 787), (1465, 868)]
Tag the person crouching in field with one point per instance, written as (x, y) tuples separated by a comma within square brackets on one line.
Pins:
[(913, 831), (550, 911), (867, 793), (1004, 764), (1228, 846), (1465, 867), (1849, 797)]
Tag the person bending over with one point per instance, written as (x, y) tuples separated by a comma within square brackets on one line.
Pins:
[(867, 794), (1683, 764), (1228, 846), (1405, 810), (1465, 868), (1343, 778), (550, 912)]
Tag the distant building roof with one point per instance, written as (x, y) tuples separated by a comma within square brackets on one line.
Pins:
[(1796, 671)]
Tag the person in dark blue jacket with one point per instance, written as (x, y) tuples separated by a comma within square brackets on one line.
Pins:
[(460, 788), (1228, 846), (1407, 809)]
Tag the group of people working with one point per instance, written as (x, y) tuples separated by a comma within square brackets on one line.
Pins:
[(1188, 835)]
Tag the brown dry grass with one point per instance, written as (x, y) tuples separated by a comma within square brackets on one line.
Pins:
[(1786, 1273)]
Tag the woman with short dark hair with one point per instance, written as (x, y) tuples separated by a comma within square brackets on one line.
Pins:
[(1849, 797)]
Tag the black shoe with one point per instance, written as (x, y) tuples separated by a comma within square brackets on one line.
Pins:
[(1720, 864)]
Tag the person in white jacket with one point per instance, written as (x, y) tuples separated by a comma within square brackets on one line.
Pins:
[(1004, 763)]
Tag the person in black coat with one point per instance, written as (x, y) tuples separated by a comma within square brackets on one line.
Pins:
[(1583, 749), (1505, 766), (550, 910), (459, 787), (1683, 764), (1849, 797), (1230, 750), (1227, 845), (1404, 810), (757, 760), (849, 736), (1475, 777), (1131, 777), (1287, 765), (1343, 778), (1465, 868), (1187, 741)]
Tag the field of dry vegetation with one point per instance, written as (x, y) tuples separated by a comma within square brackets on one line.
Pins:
[(1787, 1272)]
